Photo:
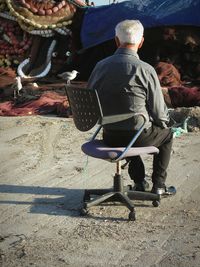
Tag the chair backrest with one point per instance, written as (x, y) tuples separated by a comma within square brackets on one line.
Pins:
[(85, 107)]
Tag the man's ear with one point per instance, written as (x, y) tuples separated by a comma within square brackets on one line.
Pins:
[(141, 43), (117, 41)]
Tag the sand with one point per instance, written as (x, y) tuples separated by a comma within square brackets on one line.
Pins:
[(43, 174)]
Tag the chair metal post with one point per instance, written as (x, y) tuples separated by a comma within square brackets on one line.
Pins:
[(118, 182), (118, 167)]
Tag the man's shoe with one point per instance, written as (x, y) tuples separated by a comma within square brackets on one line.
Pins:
[(141, 186), (164, 191)]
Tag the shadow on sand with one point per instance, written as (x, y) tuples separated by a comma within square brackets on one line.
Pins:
[(55, 201)]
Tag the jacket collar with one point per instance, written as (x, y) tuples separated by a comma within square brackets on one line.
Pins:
[(127, 52)]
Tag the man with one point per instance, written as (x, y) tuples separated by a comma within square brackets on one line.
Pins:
[(127, 84)]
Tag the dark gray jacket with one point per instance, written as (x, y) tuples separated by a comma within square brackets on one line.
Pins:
[(125, 83)]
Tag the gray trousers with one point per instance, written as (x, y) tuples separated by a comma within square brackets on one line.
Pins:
[(154, 136)]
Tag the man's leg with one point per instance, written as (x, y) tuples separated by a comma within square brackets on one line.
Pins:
[(154, 136), (162, 139), (136, 172), (160, 164), (136, 169)]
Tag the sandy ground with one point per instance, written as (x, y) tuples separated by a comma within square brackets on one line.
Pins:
[(42, 178)]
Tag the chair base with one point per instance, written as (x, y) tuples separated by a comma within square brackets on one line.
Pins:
[(119, 193)]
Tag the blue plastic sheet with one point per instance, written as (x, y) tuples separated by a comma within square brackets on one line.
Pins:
[(99, 22)]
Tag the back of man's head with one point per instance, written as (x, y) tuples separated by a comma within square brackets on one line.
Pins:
[(129, 32)]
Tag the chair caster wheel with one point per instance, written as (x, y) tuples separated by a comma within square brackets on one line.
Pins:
[(131, 216), (156, 203), (84, 212)]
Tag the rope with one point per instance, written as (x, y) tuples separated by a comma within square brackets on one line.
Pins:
[(177, 131), (33, 23)]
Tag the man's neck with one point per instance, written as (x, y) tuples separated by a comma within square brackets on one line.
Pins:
[(129, 46)]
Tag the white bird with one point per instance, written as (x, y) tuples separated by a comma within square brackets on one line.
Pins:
[(19, 83), (68, 76)]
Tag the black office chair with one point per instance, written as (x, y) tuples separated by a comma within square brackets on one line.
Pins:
[(87, 112)]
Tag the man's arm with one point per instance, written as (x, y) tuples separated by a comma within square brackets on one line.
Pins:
[(155, 101)]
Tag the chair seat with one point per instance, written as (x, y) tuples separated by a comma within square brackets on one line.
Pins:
[(98, 149)]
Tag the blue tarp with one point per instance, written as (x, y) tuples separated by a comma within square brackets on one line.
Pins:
[(99, 22)]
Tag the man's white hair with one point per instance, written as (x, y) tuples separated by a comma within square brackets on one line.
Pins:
[(129, 31)]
